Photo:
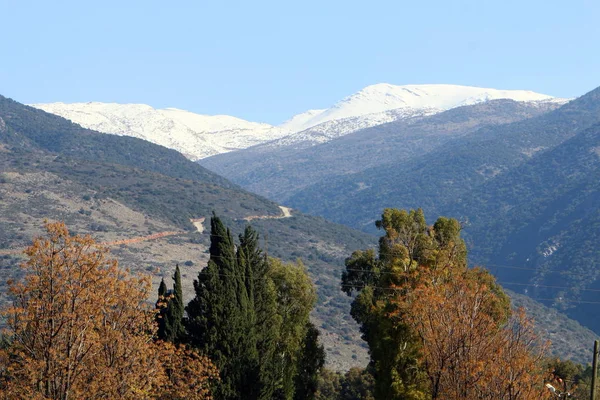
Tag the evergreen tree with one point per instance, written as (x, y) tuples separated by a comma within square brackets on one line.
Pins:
[(161, 305), (264, 321), (295, 299), (418, 260), (310, 364), (406, 244), (250, 315), (174, 329), (217, 316)]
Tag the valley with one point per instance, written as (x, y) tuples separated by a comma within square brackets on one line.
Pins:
[(297, 169)]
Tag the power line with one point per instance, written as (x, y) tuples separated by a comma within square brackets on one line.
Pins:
[(534, 285), (547, 286), (489, 265)]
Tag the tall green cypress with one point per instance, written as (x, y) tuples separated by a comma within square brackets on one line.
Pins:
[(161, 305), (248, 356), (262, 318), (250, 315), (174, 329), (217, 316), (309, 364)]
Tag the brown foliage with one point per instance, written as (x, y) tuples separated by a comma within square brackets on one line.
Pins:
[(188, 373), (468, 348), (81, 328)]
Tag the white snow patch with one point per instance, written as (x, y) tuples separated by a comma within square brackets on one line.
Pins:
[(384, 97), (198, 136), (550, 249), (531, 151)]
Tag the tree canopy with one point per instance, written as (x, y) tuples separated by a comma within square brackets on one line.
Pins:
[(435, 328), (250, 314), (81, 327)]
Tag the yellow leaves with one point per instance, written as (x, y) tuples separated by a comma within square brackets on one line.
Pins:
[(81, 328), (189, 374), (466, 350)]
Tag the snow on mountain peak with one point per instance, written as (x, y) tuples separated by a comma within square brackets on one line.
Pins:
[(384, 96), (297, 122), (198, 136), (194, 135)]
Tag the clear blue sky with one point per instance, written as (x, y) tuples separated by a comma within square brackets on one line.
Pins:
[(267, 60)]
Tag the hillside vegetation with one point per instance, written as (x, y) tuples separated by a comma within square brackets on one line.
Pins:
[(279, 172), (119, 188), (526, 191), (65, 172)]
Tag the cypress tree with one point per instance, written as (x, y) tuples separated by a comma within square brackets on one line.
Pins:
[(310, 364), (262, 318), (174, 329), (246, 255), (250, 315), (217, 316), (161, 305)]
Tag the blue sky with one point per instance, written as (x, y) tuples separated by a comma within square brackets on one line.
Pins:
[(267, 60)]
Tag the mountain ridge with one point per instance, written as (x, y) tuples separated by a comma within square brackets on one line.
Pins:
[(279, 172), (117, 188), (199, 136)]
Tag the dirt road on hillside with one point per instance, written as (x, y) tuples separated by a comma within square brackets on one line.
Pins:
[(286, 212)]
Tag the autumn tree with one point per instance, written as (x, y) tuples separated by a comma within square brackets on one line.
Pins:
[(414, 300), (470, 348), (189, 374), (80, 327)]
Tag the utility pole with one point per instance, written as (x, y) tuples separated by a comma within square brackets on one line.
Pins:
[(594, 371)]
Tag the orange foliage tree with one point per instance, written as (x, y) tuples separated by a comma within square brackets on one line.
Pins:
[(80, 327), (436, 328), (470, 347)]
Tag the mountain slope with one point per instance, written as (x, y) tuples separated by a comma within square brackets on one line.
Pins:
[(449, 171), (383, 97), (129, 206), (199, 136), (544, 217), (51, 168), (527, 191), (278, 172)]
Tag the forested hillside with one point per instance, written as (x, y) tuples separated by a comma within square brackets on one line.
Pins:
[(117, 188), (527, 193), (123, 190), (450, 171), (544, 217), (279, 172)]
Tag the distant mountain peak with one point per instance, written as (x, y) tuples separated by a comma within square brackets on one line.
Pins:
[(413, 99), (194, 135), (198, 136)]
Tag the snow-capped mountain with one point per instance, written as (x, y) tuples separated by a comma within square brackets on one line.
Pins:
[(194, 135), (332, 129), (199, 136), (384, 97)]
